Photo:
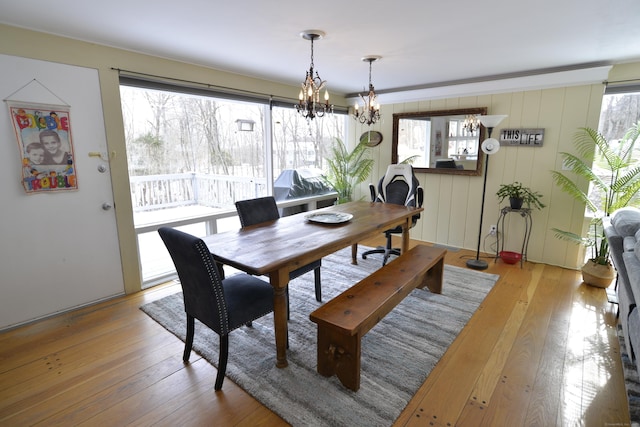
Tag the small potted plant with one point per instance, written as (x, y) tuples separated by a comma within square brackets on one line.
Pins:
[(519, 196)]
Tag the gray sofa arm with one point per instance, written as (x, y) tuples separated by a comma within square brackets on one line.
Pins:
[(616, 246)]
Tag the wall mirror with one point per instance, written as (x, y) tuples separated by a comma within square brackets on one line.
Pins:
[(438, 141)]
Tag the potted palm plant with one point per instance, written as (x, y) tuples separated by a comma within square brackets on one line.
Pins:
[(519, 196), (346, 169), (610, 169)]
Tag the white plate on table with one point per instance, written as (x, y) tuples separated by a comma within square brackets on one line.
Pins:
[(329, 217)]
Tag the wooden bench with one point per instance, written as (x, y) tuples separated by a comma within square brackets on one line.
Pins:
[(343, 321)]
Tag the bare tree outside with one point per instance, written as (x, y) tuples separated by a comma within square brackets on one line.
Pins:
[(190, 157), (619, 112), (218, 141)]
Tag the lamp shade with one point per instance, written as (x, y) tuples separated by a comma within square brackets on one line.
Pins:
[(491, 121), (490, 146)]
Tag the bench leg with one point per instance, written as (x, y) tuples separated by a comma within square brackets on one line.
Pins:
[(339, 354), (433, 278)]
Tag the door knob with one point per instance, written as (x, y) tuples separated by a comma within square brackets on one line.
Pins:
[(106, 206)]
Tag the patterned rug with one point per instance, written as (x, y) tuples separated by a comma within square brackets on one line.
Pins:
[(631, 380), (397, 354)]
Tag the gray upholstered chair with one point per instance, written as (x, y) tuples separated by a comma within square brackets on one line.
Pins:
[(221, 304), (264, 209), (399, 185)]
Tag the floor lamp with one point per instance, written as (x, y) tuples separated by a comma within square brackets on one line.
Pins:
[(489, 146)]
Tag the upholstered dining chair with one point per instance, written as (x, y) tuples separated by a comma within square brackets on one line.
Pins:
[(399, 185), (221, 304), (263, 209)]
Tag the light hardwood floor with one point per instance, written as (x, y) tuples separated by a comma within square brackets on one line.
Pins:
[(540, 351)]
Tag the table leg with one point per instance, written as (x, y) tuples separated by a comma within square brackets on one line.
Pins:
[(405, 236), (280, 280)]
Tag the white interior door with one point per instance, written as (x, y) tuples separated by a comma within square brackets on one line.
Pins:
[(59, 249)]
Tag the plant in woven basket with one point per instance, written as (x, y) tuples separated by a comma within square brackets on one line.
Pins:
[(612, 172)]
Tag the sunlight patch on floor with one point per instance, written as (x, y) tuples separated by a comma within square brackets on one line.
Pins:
[(587, 369)]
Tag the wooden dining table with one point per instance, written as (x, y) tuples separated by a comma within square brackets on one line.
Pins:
[(275, 248)]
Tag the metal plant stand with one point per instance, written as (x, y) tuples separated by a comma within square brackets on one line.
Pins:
[(525, 213)]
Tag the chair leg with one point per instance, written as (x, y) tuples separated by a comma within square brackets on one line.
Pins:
[(378, 250), (288, 306), (316, 274), (222, 361), (385, 258), (188, 343), (387, 250)]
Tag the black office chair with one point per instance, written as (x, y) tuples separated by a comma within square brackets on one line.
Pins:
[(263, 209), (222, 305), (400, 186)]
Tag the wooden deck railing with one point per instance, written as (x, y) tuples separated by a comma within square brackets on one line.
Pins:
[(217, 191), (176, 200)]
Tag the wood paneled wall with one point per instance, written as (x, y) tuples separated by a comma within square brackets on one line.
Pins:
[(452, 203)]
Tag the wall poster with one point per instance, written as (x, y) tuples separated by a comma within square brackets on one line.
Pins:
[(43, 134)]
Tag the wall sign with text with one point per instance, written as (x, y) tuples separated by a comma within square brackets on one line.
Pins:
[(522, 137)]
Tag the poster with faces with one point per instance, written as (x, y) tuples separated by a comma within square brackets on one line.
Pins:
[(43, 134)]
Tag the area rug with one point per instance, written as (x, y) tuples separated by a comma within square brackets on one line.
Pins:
[(397, 354), (631, 380)]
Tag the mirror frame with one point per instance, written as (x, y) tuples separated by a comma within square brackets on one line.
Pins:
[(457, 112)]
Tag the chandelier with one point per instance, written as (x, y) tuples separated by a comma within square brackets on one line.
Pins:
[(370, 108), (471, 123), (309, 105)]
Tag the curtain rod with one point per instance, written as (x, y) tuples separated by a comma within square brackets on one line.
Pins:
[(207, 85), (606, 82)]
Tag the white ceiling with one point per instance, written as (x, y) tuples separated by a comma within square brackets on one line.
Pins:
[(422, 42)]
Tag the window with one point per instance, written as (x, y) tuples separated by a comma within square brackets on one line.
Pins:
[(415, 137), (192, 154), (462, 143), (620, 110), (298, 144), (185, 150)]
